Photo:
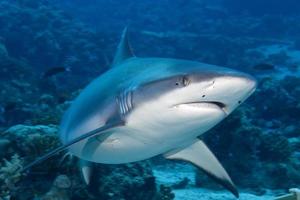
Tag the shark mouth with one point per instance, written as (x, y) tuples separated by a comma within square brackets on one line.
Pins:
[(201, 104)]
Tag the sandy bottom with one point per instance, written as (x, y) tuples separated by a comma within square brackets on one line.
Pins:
[(205, 194), (174, 173)]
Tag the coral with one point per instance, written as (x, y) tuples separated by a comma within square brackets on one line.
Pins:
[(274, 147), (294, 144), (52, 32), (283, 175), (34, 37), (4, 147), (46, 119), (165, 193), (60, 190), (33, 141), (135, 181), (10, 175), (50, 109)]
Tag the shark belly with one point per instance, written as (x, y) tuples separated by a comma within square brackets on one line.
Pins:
[(121, 145), (147, 134)]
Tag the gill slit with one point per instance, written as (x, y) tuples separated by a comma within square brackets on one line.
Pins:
[(125, 102)]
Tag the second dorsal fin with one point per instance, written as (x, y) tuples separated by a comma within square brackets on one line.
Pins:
[(124, 50)]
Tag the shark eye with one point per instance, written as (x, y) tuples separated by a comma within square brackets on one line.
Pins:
[(184, 81)]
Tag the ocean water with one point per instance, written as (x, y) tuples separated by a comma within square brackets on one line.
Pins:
[(51, 50)]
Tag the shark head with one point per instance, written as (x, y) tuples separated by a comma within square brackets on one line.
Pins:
[(187, 93), (197, 87)]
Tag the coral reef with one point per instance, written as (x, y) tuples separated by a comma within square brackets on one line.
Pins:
[(36, 36), (135, 181), (274, 147), (26, 143), (32, 141), (52, 32), (9, 176)]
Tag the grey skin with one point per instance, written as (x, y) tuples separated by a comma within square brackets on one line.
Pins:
[(143, 107)]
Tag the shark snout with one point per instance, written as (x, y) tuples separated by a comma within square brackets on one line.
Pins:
[(247, 83), (232, 90)]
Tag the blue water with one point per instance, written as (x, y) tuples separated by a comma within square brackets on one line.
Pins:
[(258, 144)]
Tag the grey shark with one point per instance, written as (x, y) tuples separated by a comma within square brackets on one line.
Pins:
[(143, 107)]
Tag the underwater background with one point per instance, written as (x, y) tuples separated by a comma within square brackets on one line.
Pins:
[(50, 50)]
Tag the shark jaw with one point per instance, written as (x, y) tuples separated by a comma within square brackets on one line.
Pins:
[(201, 105)]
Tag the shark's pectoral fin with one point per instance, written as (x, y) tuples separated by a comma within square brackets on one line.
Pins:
[(124, 50), (86, 169), (90, 134), (200, 155)]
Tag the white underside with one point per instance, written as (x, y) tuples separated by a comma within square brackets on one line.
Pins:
[(149, 133)]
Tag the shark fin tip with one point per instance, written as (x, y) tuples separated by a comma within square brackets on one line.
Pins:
[(124, 50)]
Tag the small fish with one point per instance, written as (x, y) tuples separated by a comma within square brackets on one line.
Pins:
[(54, 71), (264, 67)]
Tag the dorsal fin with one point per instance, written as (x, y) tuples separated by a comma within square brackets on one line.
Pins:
[(124, 50)]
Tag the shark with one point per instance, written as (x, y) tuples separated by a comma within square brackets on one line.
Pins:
[(144, 107)]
